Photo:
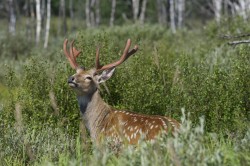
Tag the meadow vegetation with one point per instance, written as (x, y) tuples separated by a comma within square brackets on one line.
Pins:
[(192, 70)]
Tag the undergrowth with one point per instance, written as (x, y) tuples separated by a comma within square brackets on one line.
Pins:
[(194, 70)]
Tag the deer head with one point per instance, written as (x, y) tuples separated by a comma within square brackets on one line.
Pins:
[(86, 82)]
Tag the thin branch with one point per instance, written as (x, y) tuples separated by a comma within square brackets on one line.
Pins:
[(233, 37), (234, 43)]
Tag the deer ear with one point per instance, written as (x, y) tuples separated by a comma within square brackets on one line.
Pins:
[(106, 74)]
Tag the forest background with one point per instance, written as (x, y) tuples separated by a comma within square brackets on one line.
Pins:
[(193, 64)]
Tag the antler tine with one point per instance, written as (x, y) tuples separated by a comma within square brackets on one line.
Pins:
[(126, 54), (131, 52), (97, 60), (71, 56), (76, 52)]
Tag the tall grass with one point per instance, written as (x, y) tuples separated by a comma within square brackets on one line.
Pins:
[(193, 70), (55, 146)]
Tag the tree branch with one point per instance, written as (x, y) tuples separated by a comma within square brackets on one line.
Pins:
[(234, 37), (234, 43)]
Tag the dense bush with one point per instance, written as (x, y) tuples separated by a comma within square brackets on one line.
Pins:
[(194, 70)]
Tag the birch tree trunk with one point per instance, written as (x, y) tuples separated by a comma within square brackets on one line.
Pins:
[(225, 7), (217, 9), (92, 10), (97, 13), (46, 40), (161, 11), (92, 13), (27, 21), (112, 15), (32, 19), (38, 21), (172, 16), (12, 17), (43, 11), (180, 9), (242, 8), (62, 14), (71, 11), (143, 11), (135, 5), (87, 12)]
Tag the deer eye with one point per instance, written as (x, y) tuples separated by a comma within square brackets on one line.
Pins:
[(88, 78)]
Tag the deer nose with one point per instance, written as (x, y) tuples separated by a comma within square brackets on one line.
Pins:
[(71, 79)]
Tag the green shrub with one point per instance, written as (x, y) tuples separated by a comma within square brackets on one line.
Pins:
[(191, 70), (14, 46)]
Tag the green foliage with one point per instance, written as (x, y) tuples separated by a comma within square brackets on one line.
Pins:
[(54, 146), (14, 46), (194, 70)]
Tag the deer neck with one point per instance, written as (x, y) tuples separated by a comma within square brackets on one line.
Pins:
[(94, 111)]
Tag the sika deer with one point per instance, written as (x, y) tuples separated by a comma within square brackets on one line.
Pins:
[(101, 119)]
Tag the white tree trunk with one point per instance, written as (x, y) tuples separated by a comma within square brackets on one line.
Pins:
[(92, 13), (87, 12), (135, 5), (43, 11), (27, 22), (217, 9), (32, 19), (38, 21), (172, 16), (242, 8), (12, 18), (225, 7), (143, 11), (112, 16), (62, 14), (46, 41), (161, 11), (92, 10), (97, 13), (71, 11), (180, 9)]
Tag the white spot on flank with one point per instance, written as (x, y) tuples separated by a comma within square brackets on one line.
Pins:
[(135, 134), (163, 122), (140, 131), (151, 127), (172, 123)]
